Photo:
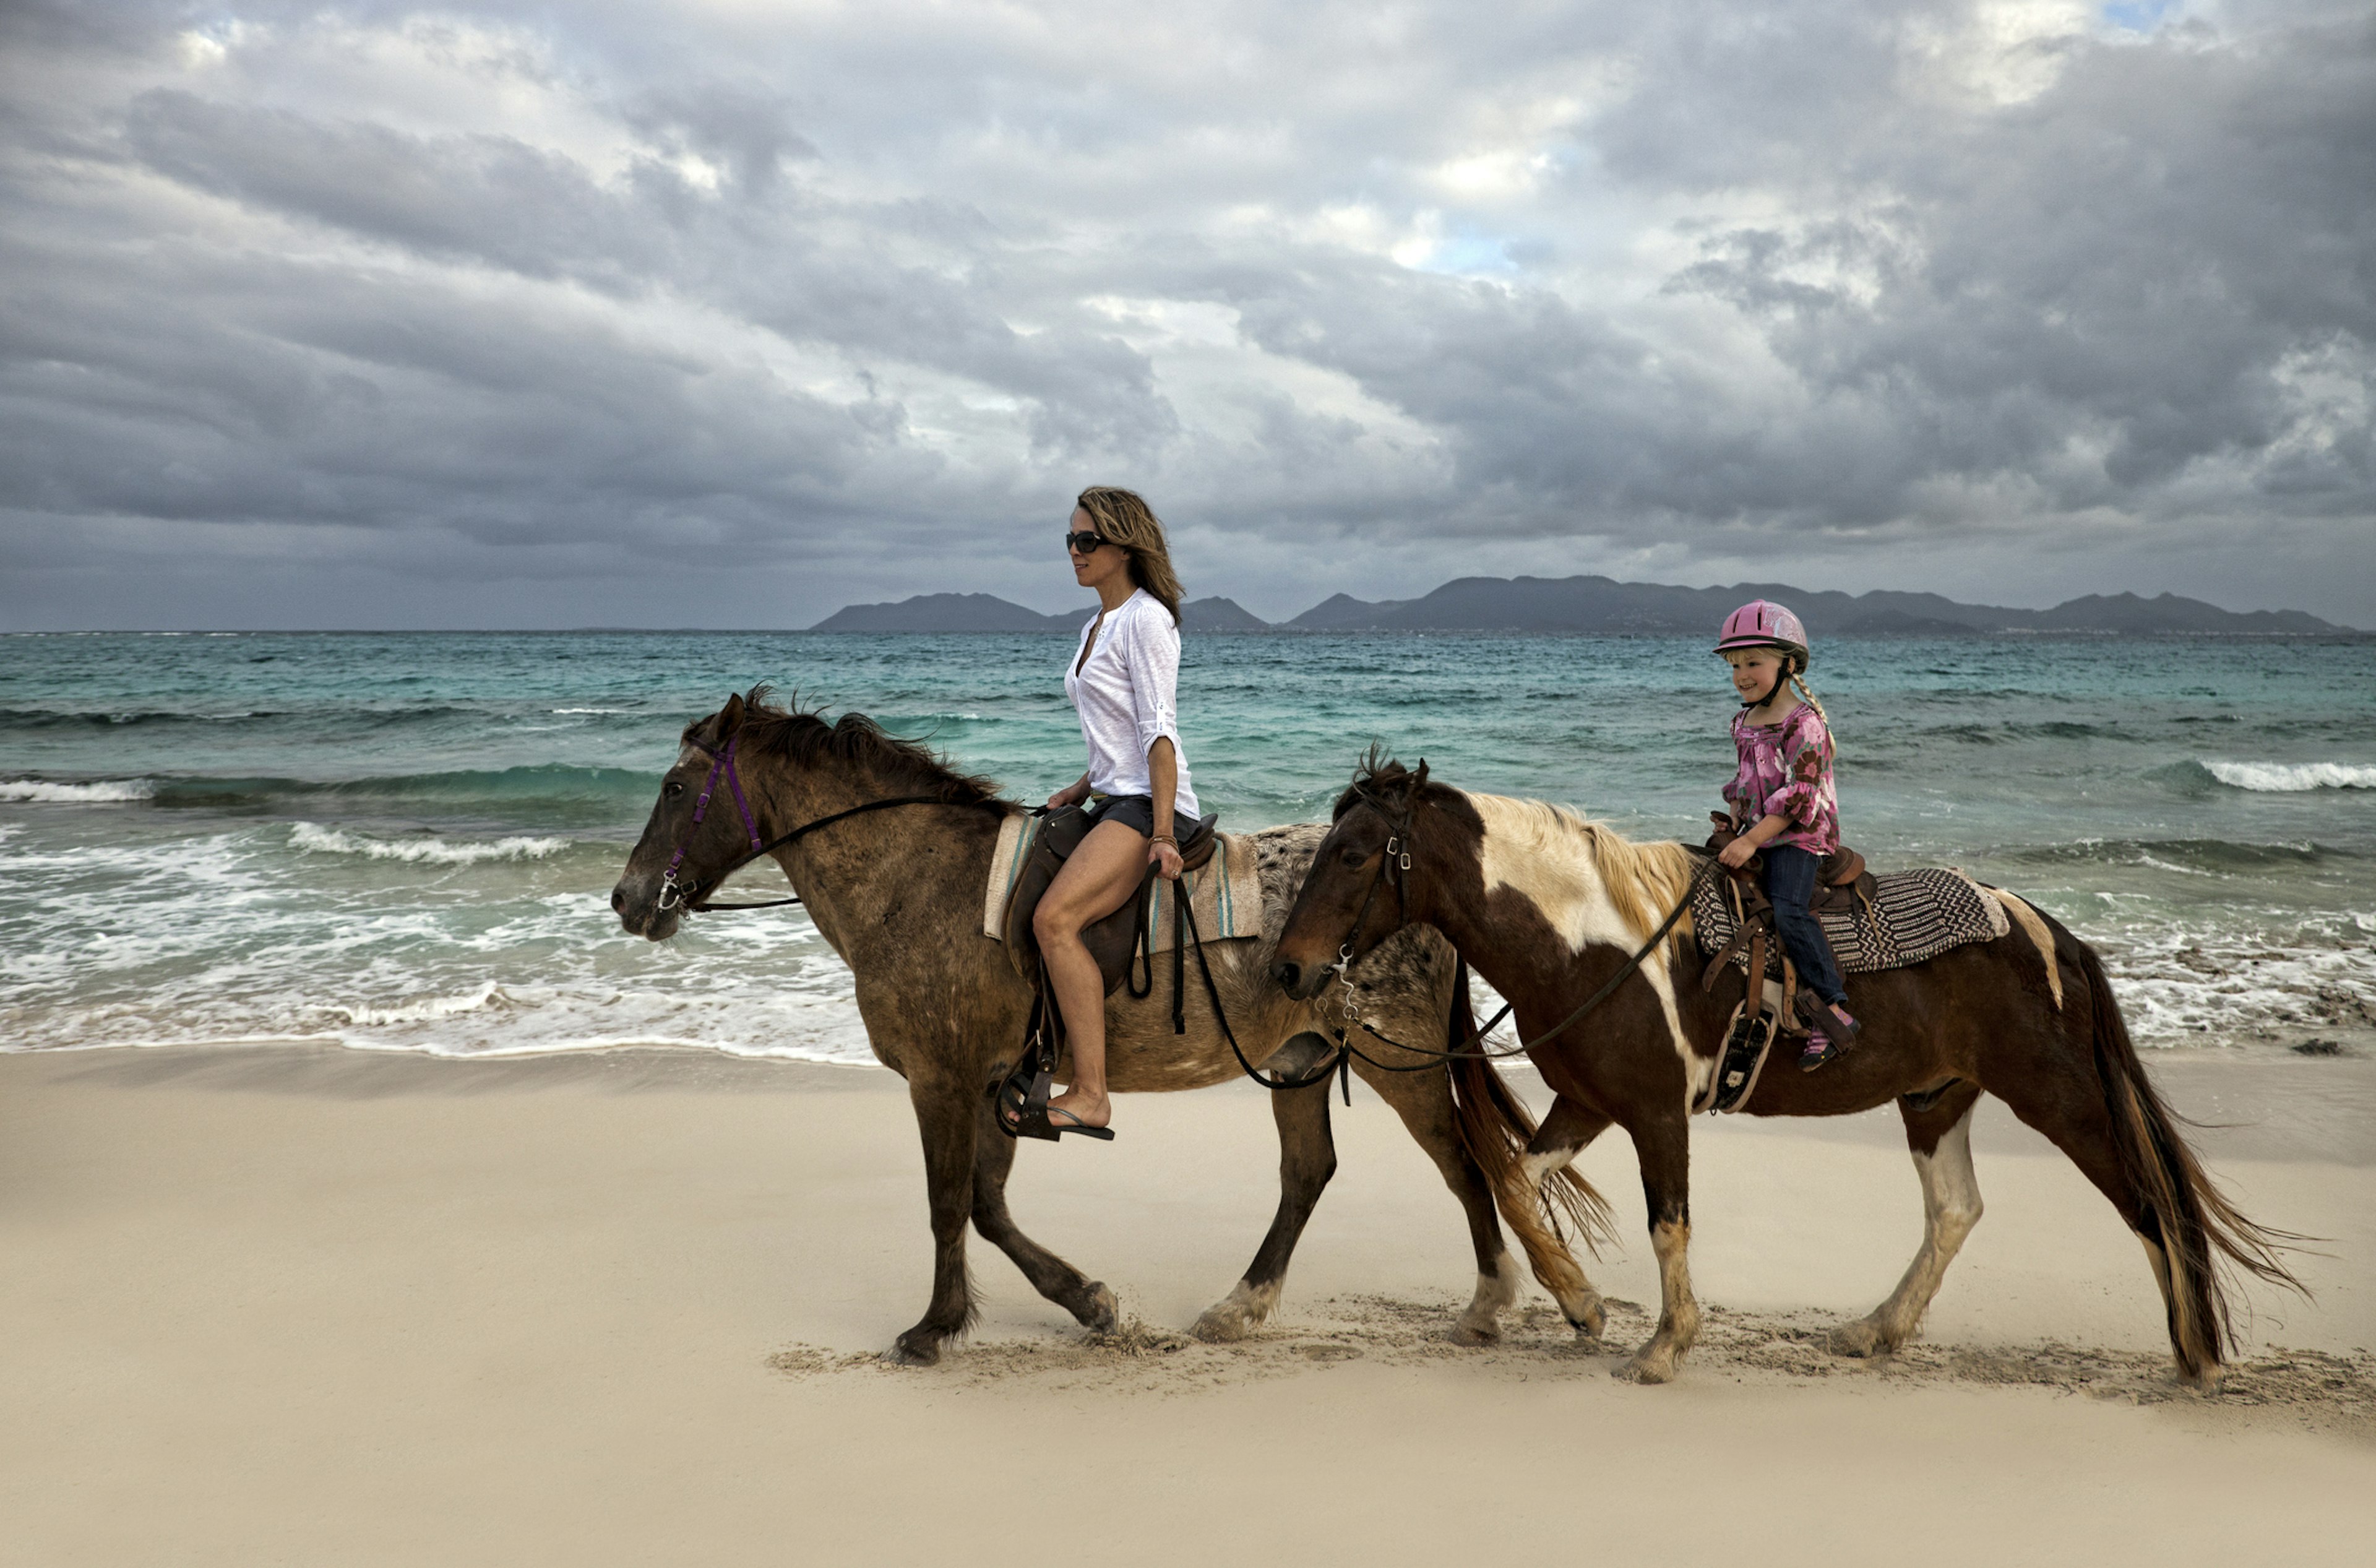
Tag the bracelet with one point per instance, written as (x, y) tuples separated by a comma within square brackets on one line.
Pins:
[(1165, 838)]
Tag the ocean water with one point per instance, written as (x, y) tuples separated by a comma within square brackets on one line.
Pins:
[(407, 842)]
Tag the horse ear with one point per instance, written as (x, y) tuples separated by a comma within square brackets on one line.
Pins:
[(729, 718), (1418, 779)]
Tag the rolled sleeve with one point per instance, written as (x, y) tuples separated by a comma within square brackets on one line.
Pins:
[(1807, 764), (1152, 645)]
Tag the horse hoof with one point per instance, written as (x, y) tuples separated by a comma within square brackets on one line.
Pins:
[(1645, 1369), (1588, 1326), (1223, 1324), (1101, 1313), (1475, 1334), (1859, 1340), (917, 1348), (1236, 1316)]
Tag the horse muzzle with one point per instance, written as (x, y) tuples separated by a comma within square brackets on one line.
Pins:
[(643, 910)]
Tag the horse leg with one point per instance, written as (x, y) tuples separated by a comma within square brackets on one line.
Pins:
[(994, 1157), (1664, 1147), (1424, 1102), (1941, 1139), (1564, 1135), (1307, 1159), (946, 1116)]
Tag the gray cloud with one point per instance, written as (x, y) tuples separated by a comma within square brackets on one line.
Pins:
[(612, 316)]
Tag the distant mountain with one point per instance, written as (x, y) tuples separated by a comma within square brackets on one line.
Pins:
[(985, 612), (939, 613), (1603, 607), (2168, 612), (1218, 615), (1343, 612)]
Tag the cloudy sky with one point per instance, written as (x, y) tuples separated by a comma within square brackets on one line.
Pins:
[(729, 314)]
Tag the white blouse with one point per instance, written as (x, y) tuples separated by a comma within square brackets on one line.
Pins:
[(1126, 695)]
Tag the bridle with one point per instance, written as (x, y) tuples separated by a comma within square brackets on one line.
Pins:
[(1394, 865), (675, 894)]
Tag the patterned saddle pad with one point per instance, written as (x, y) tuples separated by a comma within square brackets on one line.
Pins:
[(1226, 893), (1916, 915)]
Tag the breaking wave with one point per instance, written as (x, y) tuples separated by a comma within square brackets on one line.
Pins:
[(2292, 777), (318, 839), (105, 789)]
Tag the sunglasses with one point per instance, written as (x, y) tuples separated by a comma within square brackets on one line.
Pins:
[(1085, 543)]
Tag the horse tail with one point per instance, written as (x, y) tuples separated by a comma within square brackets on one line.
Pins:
[(1495, 1128), (2194, 1228)]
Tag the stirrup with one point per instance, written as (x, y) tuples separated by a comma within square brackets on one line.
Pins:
[(1022, 1106)]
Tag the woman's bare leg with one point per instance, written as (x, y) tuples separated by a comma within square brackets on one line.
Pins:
[(1099, 878)]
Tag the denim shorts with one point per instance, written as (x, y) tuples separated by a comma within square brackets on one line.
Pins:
[(1138, 812)]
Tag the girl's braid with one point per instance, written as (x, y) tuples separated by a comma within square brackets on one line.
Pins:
[(1805, 695)]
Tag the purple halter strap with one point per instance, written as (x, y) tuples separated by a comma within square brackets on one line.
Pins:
[(671, 893)]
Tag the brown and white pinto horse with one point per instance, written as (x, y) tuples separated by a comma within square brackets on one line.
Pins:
[(1549, 907)]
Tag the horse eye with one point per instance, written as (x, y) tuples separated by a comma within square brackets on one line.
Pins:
[(673, 789), (1354, 857)]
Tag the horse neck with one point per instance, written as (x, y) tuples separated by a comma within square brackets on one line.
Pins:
[(853, 861), (1568, 890)]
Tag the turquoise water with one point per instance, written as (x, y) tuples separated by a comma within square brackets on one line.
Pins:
[(407, 842)]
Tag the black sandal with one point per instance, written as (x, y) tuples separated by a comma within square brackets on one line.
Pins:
[(1023, 1108)]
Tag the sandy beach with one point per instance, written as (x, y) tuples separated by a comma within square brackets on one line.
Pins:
[(318, 1306)]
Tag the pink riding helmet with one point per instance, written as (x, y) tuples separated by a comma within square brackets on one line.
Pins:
[(1764, 623)]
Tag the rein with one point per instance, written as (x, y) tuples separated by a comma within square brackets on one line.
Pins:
[(675, 895)]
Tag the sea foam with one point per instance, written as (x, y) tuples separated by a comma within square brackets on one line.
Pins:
[(104, 791), (427, 1010), (2292, 777), (318, 839)]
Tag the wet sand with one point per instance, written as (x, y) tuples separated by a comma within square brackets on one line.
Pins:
[(311, 1307)]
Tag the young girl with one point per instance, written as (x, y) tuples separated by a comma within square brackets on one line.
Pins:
[(1783, 802)]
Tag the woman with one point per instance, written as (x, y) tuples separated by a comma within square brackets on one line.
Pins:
[(1122, 680)]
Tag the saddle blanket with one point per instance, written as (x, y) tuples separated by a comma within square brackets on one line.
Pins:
[(1916, 915), (1225, 893)]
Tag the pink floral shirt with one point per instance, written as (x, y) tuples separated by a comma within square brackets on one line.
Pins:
[(1786, 770)]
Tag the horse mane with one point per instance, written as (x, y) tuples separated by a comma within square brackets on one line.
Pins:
[(1644, 881), (805, 737)]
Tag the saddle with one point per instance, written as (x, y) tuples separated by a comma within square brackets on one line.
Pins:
[(1841, 881), (1021, 1098), (1112, 941)]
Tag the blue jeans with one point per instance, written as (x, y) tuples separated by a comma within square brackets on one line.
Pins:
[(1791, 878)]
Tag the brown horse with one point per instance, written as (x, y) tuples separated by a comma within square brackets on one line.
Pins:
[(1551, 907), (898, 895)]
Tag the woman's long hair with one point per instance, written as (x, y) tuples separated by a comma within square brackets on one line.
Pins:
[(1123, 517)]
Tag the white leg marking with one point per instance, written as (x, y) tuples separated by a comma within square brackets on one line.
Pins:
[(1496, 1292), (1237, 1315), (1536, 1168), (1950, 1206), (1679, 1313)]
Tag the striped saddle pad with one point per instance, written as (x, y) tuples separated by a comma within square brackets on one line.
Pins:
[(1915, 916), (1225, 893)]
